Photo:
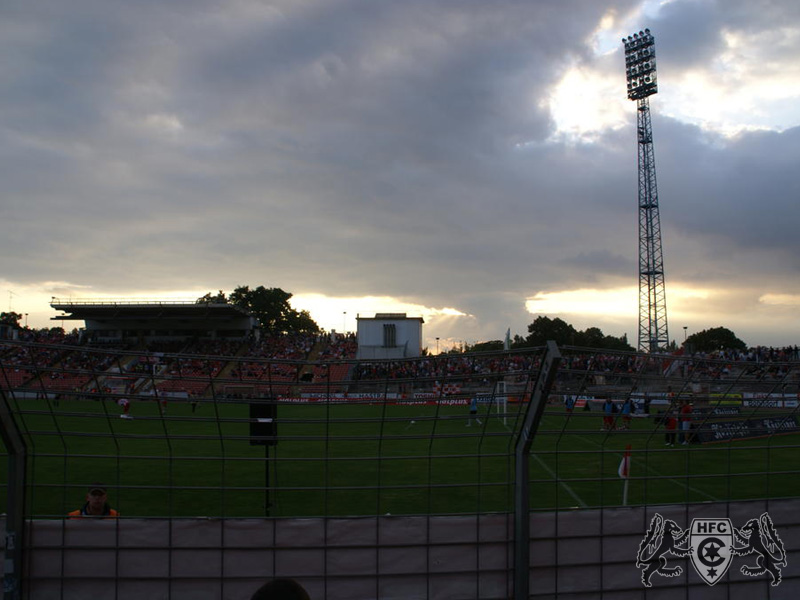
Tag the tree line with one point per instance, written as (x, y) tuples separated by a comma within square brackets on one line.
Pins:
[(544, 329)]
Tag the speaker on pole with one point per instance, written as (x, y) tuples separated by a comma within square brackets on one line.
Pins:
[(263, 425)]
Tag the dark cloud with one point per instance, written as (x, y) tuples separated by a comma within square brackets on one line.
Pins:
[(691, 33), (741, 193), (355, 147), (688, 35), (750, 15), (601, 262)]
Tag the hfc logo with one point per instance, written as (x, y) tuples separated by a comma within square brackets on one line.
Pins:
[(711, 544)]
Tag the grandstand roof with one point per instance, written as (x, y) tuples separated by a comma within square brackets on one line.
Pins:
[(155, 310)]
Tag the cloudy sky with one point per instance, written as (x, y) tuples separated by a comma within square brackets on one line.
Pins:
[(472, 162)]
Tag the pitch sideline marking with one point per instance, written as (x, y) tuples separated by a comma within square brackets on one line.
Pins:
[(654, 471), (570, 491)]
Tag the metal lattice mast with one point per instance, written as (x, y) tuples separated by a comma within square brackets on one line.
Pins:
[(640, 68)]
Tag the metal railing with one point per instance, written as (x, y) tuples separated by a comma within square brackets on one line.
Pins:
[(525, 433)]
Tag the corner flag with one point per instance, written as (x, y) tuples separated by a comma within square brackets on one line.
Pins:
[(625, 464)]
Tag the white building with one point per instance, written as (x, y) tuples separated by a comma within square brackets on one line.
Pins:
[(389, 335)]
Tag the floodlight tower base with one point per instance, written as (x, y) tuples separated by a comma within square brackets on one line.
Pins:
[(653, 334)]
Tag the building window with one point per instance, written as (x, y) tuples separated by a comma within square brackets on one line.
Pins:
[(389, 335)]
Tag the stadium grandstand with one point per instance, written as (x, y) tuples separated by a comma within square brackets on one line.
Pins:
[(235, 456), (124, 320)]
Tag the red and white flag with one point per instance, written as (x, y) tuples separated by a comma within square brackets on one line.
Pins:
[(625, 463)]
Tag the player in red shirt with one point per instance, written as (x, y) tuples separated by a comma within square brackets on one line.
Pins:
[(126, 408)]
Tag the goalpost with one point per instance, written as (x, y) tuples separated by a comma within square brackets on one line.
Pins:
[(498, 398), (501, 400)]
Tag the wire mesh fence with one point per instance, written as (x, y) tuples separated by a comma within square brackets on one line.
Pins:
[(229, 431), (190, 435)]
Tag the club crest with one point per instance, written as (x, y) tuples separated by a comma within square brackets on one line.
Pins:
[(711, 541), (711, 545)]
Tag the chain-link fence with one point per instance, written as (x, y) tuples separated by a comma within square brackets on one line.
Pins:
[(229, 464)]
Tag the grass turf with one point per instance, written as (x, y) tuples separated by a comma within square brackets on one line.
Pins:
[(359, 459)]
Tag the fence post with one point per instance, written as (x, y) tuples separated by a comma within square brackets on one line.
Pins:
[(15, 509), (533, 414)]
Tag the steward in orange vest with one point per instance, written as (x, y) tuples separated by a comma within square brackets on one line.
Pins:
[(96, 504)]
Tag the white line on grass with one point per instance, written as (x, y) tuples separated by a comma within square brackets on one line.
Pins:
[(690, 487), (639, 461), (570, 491)]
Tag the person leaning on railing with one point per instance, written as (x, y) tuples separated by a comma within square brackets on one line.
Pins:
[(96, 504)]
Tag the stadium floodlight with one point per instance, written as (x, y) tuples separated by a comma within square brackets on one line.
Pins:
[(640, 69), (640, 65)]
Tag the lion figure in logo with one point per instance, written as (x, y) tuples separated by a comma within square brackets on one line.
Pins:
[(759, 536), (664, 536)]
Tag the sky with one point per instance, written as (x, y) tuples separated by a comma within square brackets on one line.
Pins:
[(471, 162)]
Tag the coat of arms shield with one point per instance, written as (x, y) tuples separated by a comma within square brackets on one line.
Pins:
[(711, 541)]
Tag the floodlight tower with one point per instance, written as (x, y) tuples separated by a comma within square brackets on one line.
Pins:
[(640, 67)]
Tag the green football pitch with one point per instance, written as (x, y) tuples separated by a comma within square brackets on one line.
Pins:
[(366, 459)]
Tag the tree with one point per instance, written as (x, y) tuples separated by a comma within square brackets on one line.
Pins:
[(302, 322), (270, 307), (493, 346), (219, 298), (10, 318), (564, 334), (592, 337), (616, 343), (544, 329), (716, 338)]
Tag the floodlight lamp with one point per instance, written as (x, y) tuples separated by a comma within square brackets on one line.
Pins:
[(640, 65)]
